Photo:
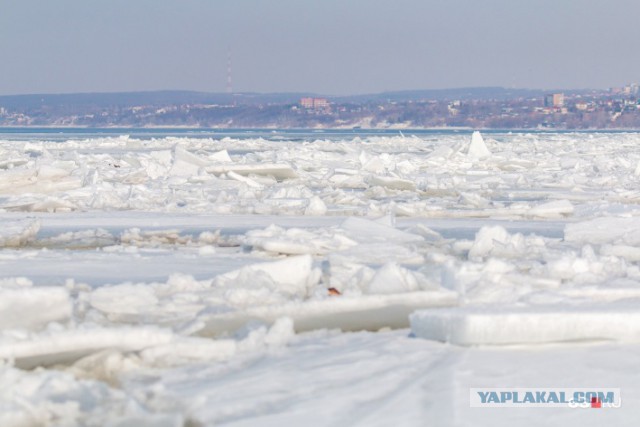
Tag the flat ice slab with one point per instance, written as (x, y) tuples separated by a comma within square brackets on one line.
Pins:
[(278, 171), (532, 325), (604, 230), (67, 346), (369, 312)]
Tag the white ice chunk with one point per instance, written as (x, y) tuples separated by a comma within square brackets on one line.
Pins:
[(474, 200), (16, 178), (477, 148), (250, 182), (296, 241), (316, 207), (280, 333), (293, 276), (180, 154), (221, 156), (189, 349), (486, 241), (45, 178), (18, 232), (367, 312), (442, 152), (278, 171), (158, 163), (186, 163), (496, 241), (66, 346), (51, 172), (123, 299), (51, 204), (392, 183), (630, 253), (31, 308), (532, 325), (557, 208), (373, 164), (392, 278), (605, 230), (185, 169), (47, 397)]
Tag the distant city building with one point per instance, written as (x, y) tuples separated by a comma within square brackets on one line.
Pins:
[(582, 106), (314, 103), (454, 107), (555, 100), (631, 89), (306, 102), (320, 103)]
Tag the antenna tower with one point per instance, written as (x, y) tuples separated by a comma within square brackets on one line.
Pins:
[(229, 81)]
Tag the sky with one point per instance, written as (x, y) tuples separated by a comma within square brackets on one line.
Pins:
[(331, 47)]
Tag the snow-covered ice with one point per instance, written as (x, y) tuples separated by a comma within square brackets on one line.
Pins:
[(492, 325), (342, 281)]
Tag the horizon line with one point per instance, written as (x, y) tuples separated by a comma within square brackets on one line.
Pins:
[(306, 93)]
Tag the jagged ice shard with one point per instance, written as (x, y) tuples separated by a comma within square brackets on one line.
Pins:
[(477, 148)]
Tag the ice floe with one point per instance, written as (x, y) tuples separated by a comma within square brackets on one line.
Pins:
[(493, 325), (128, 266)]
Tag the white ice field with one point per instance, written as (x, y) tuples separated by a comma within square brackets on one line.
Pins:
[(362, 281)]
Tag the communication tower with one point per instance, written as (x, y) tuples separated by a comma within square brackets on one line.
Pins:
[(229, 80)]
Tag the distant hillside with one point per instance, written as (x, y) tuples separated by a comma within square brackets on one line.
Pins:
[(478, 108), (176, 97), (122, 99), (479, 93)]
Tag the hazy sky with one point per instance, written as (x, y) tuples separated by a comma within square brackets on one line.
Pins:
[(323, 46)]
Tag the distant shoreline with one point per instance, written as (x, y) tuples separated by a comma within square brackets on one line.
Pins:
[(386, 131)]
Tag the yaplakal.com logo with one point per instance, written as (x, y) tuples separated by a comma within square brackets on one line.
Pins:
[(596, 398)]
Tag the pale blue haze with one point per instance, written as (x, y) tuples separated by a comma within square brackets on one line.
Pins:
[(323, 46)]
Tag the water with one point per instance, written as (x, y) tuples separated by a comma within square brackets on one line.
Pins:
[(66, 134)]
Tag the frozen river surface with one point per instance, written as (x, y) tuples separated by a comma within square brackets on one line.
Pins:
[(175, 280)]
